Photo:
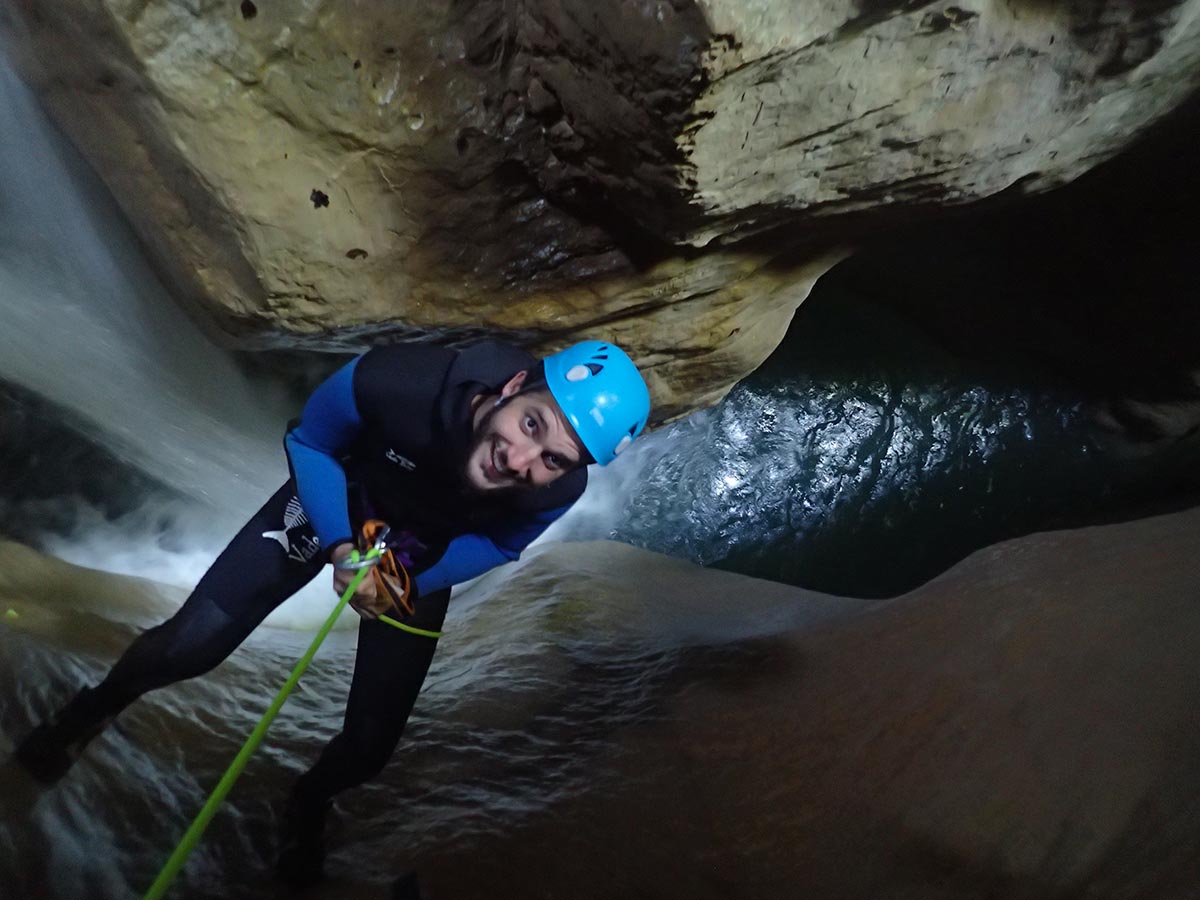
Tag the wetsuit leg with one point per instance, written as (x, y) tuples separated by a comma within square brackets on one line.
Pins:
[(388, 673), (272, 557), (264, 564)]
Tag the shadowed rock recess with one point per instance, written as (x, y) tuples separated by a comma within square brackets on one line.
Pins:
[(674, 176)]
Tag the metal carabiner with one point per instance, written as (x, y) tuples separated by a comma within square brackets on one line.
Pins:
[(356, 561), (381, 541)]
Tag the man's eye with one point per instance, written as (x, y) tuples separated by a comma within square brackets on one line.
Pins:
[(531, 424), (553, 462)]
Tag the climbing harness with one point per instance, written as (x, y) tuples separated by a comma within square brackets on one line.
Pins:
[(389, 569), (389, 573)]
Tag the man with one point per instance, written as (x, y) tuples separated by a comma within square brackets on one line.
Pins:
[(467, 455)]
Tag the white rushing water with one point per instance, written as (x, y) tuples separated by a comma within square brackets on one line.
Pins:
[(86, 325)]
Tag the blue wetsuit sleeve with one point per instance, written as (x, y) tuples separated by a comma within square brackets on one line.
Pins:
[(470, 555), (328, 426)]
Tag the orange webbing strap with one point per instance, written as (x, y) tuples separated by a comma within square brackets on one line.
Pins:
[(390, 575)]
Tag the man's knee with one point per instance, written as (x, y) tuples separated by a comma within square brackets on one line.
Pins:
[(194, 640)]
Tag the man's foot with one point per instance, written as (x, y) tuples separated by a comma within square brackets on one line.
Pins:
[(301, 861), (49, 751)]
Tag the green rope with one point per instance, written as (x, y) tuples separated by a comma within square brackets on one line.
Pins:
[(192, 837), (409, 628)]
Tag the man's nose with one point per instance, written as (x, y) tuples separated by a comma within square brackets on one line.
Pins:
[(521, 458)]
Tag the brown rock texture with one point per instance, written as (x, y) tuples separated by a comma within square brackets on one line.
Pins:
[(832, 109), (329, 173), (1023, 726)]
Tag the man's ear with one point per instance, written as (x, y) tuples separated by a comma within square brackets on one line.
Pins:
[(513, 384)]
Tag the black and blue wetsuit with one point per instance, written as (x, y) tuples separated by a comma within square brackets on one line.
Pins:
[(387, 436)]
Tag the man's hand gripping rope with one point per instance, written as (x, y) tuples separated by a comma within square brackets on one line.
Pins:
[(389, 587)]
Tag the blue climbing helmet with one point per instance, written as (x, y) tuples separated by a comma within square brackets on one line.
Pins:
[(601, 393)]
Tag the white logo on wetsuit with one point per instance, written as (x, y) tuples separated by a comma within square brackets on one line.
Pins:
[(306, 546), (399, 460)]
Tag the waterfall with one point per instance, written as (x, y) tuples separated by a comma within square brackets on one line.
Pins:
[(88, 326)]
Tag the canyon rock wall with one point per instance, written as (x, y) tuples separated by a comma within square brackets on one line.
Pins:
[(1022, 726), (670, 175)]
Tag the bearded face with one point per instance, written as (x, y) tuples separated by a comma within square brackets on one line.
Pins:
[(521, 441)]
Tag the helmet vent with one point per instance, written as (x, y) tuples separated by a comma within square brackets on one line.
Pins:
[(577, 373), (582, 371)]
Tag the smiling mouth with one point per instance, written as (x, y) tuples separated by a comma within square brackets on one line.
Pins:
[(493, 469)]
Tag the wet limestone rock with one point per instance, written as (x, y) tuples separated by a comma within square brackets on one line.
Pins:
[(671, 175), (847, 109), (1022, 726)]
